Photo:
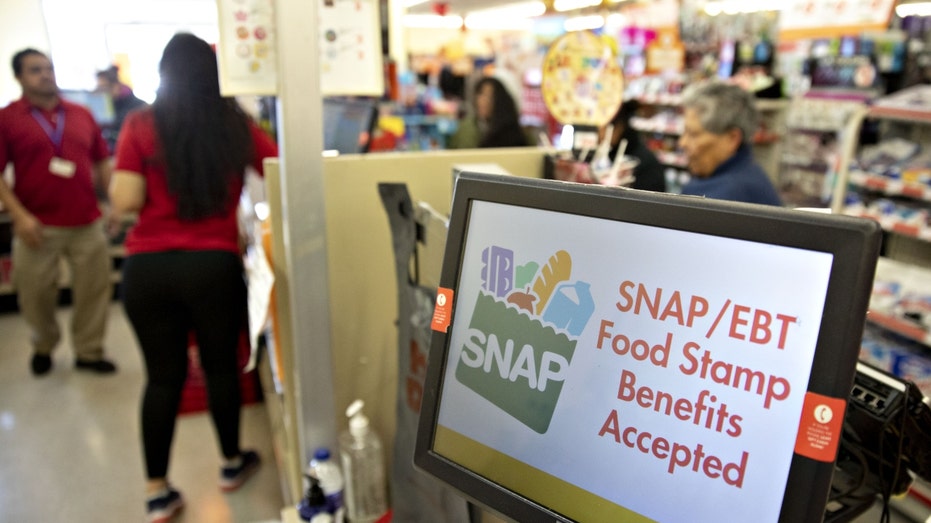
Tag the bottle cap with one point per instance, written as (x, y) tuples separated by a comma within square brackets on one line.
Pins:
[(358, 423), (322, 453)]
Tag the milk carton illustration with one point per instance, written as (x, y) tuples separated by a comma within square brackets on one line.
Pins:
[(571, 307)]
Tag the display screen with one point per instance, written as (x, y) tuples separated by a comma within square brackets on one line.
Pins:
[(604, 369), (348, 124), (99, 104)]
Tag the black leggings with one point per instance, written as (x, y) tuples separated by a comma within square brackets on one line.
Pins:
[(167, 296)]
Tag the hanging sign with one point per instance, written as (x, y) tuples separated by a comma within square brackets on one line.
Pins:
[(666, 54), (833, 18), (350, 48), (246, 54)]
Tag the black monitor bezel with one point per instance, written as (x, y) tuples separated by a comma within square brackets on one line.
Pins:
[(854, 242)]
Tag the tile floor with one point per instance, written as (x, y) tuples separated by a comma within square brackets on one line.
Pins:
[(70, 450)]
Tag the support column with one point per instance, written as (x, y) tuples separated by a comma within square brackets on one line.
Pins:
[(300, 128)]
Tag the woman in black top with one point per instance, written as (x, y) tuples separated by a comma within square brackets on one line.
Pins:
[(649, 174)]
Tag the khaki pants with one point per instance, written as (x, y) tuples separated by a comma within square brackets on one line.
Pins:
[(36, 273)]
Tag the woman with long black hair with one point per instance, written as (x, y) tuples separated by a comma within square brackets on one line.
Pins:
[(495, 121), (180, 164)]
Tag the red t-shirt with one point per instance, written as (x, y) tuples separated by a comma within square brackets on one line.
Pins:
[(159, 228), (56, 200)]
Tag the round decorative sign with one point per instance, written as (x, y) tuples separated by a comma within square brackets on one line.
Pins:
[(582, 80)]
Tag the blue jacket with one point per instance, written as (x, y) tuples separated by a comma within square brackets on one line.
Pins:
[(739, 179)]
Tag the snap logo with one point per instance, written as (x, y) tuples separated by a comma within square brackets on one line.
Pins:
[(523, 333)]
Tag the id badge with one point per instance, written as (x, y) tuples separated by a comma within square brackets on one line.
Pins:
[(61, 167)]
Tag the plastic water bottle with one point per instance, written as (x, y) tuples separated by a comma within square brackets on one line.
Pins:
[(330, 476), (313, 507), (364, 468)]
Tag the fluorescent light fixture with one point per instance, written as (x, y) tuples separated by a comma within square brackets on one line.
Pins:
[(514, 10), (433, 21), (515, 16), (616, 20), (915, 9), (733, 7), (498, 23), (582, 23), (568, 5), (413, 3)]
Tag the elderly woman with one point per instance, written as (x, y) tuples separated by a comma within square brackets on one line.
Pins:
[(720, 120)]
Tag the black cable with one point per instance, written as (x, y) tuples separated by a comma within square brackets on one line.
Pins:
[(864, 469), (885, 491), (898, 460)]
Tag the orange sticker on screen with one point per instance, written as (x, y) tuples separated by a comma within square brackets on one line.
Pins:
[(443, 310), (819, 430)]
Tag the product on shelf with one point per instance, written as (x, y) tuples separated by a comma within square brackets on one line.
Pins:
[(909, 360), (887, 158)]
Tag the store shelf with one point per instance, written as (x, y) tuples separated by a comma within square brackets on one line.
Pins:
[(671, 159), (427, 119), (672, 100), (675, 100), (802, 166), (649, 127), (894, 225), (900, 326), (890, 187), (912, 105)]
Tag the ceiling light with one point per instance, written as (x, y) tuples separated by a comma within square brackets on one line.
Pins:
[(568, 5), (433, 21), (582, 23), (515, 10), (915, 9), (412, 3), (617, 20), (498, 23)]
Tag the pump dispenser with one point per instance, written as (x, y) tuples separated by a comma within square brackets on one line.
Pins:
[(363, 468)]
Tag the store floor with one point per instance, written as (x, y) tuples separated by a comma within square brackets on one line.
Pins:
[(70, 450)]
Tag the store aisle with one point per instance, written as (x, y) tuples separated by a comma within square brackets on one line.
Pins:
[(69, 445)]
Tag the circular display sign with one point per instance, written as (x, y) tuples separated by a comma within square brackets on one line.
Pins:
[(582, 81)]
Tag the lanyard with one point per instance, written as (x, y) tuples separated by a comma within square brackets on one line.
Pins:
[(55, 134)]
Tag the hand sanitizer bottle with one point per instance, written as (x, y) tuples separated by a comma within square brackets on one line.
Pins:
[(363, 468)]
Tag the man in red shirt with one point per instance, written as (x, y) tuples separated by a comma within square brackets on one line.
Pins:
[(57, 151)]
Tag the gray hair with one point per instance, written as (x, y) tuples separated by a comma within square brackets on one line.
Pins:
[(721, 107)]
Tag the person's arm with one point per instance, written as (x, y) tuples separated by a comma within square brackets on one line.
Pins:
[(25, 225), (264, 146), (127, 192), (102, 171), (127, 186)]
